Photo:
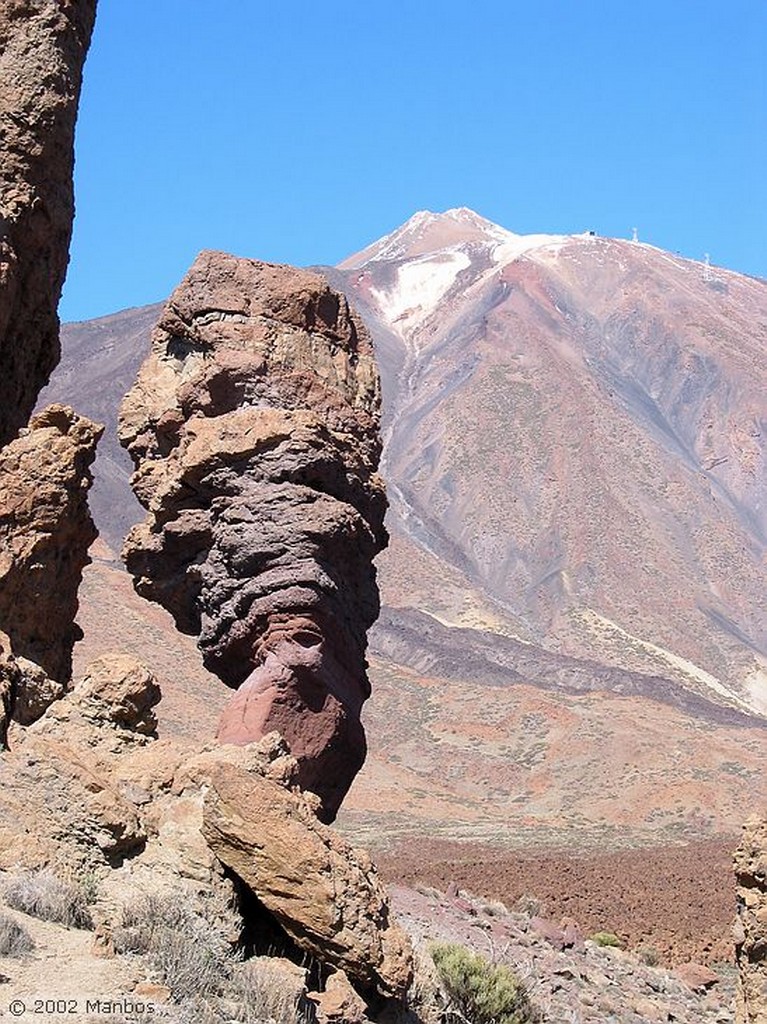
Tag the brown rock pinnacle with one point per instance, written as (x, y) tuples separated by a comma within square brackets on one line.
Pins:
[(43, 44), (45, 532), (254, 429)]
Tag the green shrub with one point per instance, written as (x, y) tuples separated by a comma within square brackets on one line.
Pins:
[(606, 939), (43, 894), (479, 991), (14, 939)]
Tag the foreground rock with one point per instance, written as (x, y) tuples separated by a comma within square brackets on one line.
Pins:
[(43, 44), (254, 429), (45, 532), (88, 788), (751, 924), (324, 893), (66, 797)]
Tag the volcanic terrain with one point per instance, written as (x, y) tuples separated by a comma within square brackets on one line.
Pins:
[(571, 652)]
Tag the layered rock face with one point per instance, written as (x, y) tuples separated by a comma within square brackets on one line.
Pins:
[(751, 924), (45, 532), (254, 429), (43, 44)]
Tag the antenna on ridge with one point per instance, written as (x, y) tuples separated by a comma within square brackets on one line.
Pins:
[(634, 235)]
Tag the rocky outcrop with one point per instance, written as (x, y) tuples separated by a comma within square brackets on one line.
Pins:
[(43, 44), (254, 429), (45, 532), (750, 931), (325, 893), (65, 795)]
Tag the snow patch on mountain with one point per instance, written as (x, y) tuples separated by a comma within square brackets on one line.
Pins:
[(419, 287), (427, 253), (520, 245)]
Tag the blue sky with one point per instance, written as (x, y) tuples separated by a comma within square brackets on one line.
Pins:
[(299, 131)]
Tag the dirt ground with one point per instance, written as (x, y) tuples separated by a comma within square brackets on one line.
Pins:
[(677, 900)]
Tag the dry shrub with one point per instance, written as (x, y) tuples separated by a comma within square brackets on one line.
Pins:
[(43, 894), (15, 940), (191, 957), (259, 987)]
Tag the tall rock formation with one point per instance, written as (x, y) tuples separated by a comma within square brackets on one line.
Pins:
[(45, 532), (43, 44), (751, 924), (254, 429)]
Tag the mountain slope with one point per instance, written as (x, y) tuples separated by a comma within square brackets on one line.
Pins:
[(574, 632), (576, 425)]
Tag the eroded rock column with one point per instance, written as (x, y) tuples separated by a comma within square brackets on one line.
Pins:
[(45, 532), (254, 429), (43, 44)]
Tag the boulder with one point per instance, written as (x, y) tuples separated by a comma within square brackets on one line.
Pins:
[(69, 792), (121, 690), (339, 1003), (751, 924), (45, 532), (698, 977), (253, 426), (43, 44), (324, 892)]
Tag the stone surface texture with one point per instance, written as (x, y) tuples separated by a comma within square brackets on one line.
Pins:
[(254, 427), (68, 795), (45, 532), (325, 893), (43, 44), (750, 932)]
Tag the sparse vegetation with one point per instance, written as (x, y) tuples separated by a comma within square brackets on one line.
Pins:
[(209, 984), (531, 906), (607, 939), (190, 956), (43, 894), (494, 908), (258, 987), (480, 992), (649, 956), (15, 940)]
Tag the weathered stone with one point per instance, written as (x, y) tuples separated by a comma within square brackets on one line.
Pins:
[(45, 532), (120, 689), (339, 1003), (35, 691), (698, 977), (64, 796), (254, 429), (324, 892), (9, 684), (751, 938), (43, 44), (549, 931)]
